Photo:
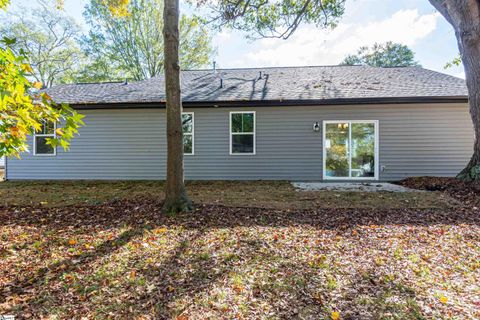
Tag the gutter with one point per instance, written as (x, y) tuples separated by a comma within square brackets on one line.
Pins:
[(274, 103)]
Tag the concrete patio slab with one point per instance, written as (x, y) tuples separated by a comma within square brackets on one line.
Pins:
[(351, 186)]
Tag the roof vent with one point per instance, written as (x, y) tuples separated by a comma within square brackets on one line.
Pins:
[(126, 81), (260, 75)]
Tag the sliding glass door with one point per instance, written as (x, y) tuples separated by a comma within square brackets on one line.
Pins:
[(350, 149)]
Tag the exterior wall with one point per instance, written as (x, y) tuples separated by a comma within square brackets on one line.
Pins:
[(414, 140), (2, 162)]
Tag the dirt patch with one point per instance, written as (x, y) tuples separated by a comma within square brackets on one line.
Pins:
[(466, 192)]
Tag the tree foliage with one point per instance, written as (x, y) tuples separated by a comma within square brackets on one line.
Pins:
[(388, 54), (49, 38), (457, 61), (131, 45), (23, 109), (273, 19)]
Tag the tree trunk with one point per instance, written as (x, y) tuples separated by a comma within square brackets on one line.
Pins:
[(464, 16), (176, 199), (471, 62)]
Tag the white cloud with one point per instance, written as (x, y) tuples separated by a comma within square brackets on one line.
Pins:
[(312, 46)]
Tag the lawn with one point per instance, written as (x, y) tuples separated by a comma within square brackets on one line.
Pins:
[(259, 194), (252, 250)]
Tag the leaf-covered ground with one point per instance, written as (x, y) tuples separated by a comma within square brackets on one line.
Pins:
[(468, 193), (266, 194), (124, 259)]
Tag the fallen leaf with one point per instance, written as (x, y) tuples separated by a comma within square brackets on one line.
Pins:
[(132, 275), (151, 288), (160, 230)]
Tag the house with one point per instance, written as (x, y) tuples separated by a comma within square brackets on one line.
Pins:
[(291, 123)]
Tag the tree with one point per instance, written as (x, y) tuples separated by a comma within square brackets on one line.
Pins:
[(176, 199), (99, 69), (388, 54), (464, 16), (23, 110), (49, 38), (133, 46)]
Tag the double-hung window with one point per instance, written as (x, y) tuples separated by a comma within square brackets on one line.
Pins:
[(40, 137), (242, 132), (188, 133)]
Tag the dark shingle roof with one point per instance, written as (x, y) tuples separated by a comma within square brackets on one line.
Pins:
[(274, 84)]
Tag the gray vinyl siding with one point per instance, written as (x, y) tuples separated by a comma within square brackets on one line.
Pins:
[(414, 140)]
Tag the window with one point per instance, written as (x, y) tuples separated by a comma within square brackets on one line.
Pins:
[(242, 132), (40, 146), (188, 132), (350, 149)]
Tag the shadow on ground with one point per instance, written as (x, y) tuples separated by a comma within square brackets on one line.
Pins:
[(124, 259)]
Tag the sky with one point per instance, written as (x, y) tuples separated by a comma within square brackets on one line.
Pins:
[(414, 23)]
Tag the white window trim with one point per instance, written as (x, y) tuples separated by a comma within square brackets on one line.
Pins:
[(254, 133), (377, 143), (191, 134), (50, 135)]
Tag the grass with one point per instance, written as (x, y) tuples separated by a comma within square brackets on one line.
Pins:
[(249, 251), (266, 194)]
